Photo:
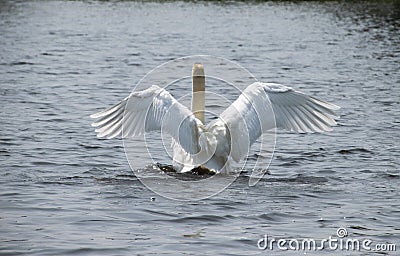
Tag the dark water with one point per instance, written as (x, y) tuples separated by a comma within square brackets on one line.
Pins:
[(65, 192)]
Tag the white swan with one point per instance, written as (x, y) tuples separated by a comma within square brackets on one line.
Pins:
[(225, 139)]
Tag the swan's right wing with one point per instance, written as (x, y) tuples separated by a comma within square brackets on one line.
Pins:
[(264, 106), (153, 109)]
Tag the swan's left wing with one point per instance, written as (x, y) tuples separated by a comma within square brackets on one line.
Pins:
[(264, 106), (153, 109)]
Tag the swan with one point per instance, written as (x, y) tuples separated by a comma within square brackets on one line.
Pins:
[(216, 146)]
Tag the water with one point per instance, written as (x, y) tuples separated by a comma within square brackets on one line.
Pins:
[(65, 192)]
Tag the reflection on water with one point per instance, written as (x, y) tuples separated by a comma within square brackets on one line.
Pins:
[(63, 191)]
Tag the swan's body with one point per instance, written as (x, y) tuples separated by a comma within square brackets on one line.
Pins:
[(261, 107)]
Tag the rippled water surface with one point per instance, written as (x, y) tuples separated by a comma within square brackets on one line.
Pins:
[(65, 192)]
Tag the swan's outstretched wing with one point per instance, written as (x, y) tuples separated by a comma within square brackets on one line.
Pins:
[(149, 110), (254, 111)]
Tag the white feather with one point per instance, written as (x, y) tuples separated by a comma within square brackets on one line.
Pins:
[(146, 111)]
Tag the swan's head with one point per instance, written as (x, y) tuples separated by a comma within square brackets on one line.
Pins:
[(198, 70)]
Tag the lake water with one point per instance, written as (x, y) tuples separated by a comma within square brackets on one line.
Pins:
[(65, 192)]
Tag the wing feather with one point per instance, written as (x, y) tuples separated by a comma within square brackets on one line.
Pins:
[(316, 126), (153, 109), (264, 106), (103, 120), (108, 111), (308, 113)]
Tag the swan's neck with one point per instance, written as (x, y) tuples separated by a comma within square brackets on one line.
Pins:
[(198, 94)]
